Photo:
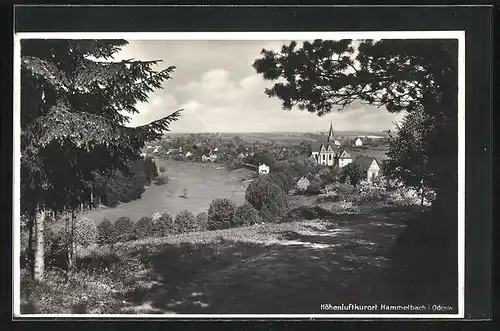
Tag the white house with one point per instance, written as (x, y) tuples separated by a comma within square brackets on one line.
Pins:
[(344, 159), (157, 148), (216, 149), (205, 158), (370, 167), (358, 142), (336, 142), (302, 184), (188, 154), (264, 169), (143, 154)]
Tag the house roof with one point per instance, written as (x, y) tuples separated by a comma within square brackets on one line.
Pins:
[(345, 155), (365, 163), (316, 146)]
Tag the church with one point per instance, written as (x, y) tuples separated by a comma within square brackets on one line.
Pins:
[(330, 152)]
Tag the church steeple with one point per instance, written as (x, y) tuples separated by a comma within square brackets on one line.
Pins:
[(330, 134)]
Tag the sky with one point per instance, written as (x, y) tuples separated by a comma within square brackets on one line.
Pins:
[(219, 90)]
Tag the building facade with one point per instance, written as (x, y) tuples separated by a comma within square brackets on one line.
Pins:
[(264, 169), (330, 152)]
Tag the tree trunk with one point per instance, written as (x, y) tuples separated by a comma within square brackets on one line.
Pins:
[(39, 260), (71, 247), (29, 253), (422, 194)]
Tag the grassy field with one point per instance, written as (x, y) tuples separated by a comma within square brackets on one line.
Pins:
[(203, 181), (269, 268), (377, 152)]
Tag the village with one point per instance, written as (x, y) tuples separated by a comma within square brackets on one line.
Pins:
[(261, 157)]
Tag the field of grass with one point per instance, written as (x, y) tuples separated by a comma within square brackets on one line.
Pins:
[(203, 181), (377, 152), (271, 268)]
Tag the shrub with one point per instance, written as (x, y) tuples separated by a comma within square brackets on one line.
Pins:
[(123, 229), (265, 214), (144, 227), (164, 226), (162, 169), (314, 188), (160, 180), (369, 192), (308, 212), (185, 221), (245, 214), (202, 220), (85, 232), (351, 174), (220, 214), (262, 192), (105, 232), (329, 175), (344, 207)]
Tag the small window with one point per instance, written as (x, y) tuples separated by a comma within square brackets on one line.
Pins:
[(323, 156)]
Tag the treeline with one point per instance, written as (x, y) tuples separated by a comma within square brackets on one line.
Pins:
[(125, 187)]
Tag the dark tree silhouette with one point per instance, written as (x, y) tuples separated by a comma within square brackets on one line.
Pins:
[(74, 98)]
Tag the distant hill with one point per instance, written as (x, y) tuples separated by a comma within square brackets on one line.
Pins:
[(280, 136)]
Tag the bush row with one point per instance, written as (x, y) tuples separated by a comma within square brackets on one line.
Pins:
[(124, 229)]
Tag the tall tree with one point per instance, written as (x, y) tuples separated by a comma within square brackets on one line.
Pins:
[(402, 75), (408, 160), (75, 101)]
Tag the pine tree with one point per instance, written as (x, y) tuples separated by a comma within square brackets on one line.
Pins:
[(74, 104), (402, 75)]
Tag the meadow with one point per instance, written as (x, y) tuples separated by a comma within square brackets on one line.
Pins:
[(203, 182)]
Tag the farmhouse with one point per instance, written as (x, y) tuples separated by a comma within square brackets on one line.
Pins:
[(358, 142), (302, 184), (210, 158), (344, 159), (370, 167), (330, 152), (263, 169)]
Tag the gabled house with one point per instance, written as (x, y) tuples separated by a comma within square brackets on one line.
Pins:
[(358, 142), (264, 169), (344, 159), (370, 167), (302, 184)]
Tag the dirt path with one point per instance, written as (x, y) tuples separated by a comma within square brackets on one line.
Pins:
[(321, 262)]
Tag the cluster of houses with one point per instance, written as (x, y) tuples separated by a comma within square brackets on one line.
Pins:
[(332, 153), (329, 152)]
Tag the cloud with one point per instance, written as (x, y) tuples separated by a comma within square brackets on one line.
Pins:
[(218, 88)]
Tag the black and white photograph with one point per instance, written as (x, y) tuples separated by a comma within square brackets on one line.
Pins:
[(239, 174)]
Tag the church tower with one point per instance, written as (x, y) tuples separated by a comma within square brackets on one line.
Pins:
[(330, 137)]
